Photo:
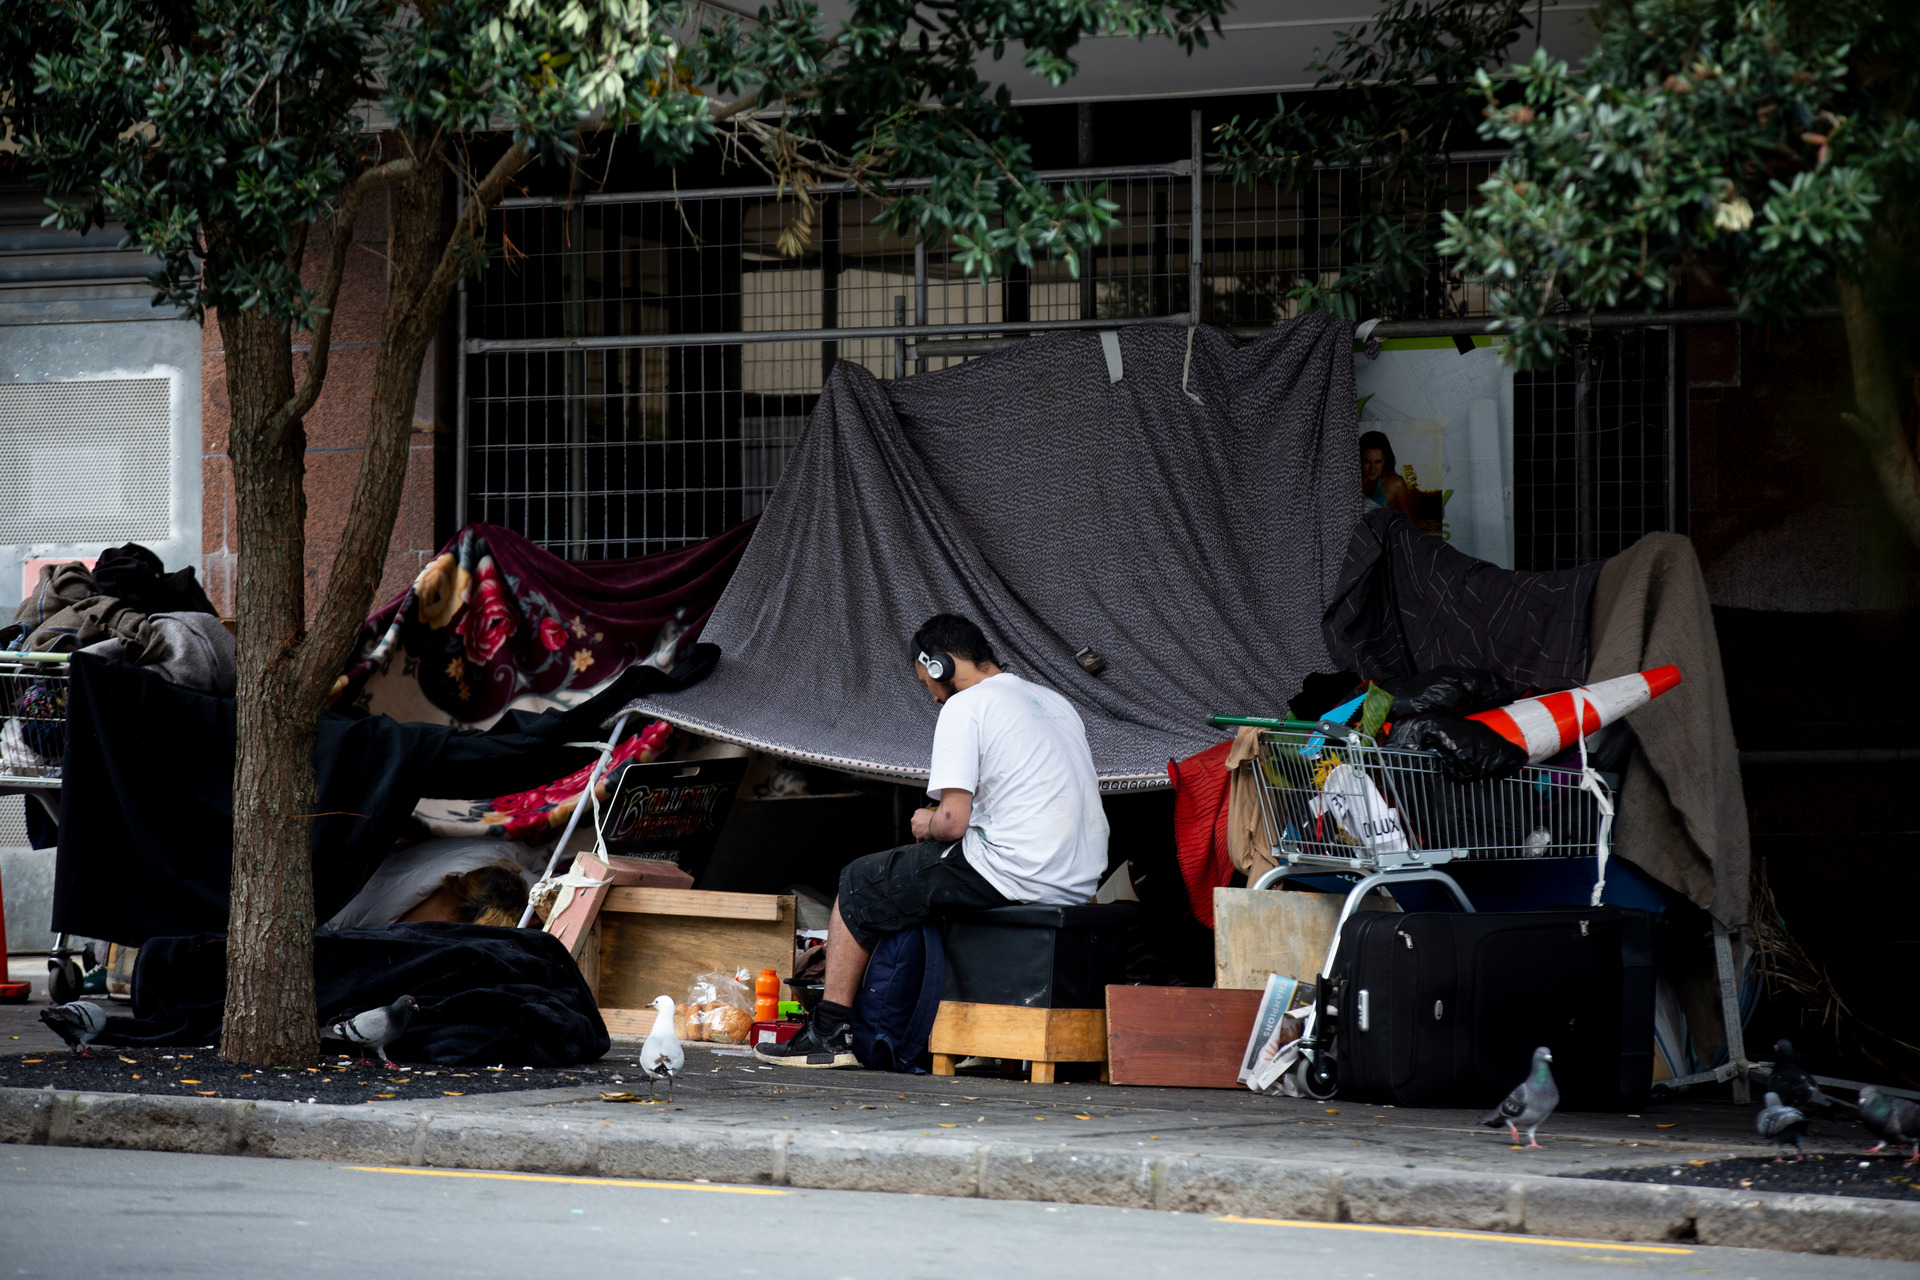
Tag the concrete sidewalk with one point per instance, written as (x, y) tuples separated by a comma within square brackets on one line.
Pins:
[(1212, 1151)]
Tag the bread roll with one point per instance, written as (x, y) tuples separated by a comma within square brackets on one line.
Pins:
[(728, 1024)]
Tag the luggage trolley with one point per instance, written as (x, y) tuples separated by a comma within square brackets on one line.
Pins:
[(1339, 803), (33, 744)]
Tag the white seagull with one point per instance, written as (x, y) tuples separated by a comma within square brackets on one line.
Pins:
[(661, 1056)]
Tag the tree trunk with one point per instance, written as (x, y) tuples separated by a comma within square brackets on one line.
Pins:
[(269, 1009), (1877, 424)]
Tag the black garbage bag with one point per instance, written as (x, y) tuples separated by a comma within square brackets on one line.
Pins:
[(1469, 751), (1452, 691), (1322, 691)]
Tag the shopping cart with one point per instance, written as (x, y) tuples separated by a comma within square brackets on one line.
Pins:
[(1338, 803), (33, 720), (33, 745)]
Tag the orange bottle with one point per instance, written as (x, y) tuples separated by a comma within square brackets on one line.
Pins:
[(766, 996)]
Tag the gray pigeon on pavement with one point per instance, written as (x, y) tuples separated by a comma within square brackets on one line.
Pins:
[(375, 1029), (1781, 1124), (1531, 1101), (77, 1023), (662, 1056), (1890, 1119), (1791, 1081)]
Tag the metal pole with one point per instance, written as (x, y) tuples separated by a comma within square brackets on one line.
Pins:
[(900, 344), (1198, 162), (1089, 300), (575, 260), (579, 807), (919, 300), (460, 480)]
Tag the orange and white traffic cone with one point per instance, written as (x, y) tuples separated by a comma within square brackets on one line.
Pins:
[(1547, 725)]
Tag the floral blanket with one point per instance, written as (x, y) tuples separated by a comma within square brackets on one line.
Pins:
[(539, 815), (496, 622)]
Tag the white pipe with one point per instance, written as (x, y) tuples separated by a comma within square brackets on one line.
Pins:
[(579, 807)]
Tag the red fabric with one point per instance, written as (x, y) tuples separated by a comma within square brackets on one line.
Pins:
[(1200, 792)]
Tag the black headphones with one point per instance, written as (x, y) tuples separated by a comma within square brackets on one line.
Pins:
[(939, 666)]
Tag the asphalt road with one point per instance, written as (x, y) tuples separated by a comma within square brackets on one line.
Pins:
[(67, 1212)]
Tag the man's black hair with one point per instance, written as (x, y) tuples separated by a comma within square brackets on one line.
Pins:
[(1378, 440), (951, 633)]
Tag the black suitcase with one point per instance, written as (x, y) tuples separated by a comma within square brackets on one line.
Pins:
[(1446, 1008)]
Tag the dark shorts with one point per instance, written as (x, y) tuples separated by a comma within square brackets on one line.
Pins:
[(884, 893)]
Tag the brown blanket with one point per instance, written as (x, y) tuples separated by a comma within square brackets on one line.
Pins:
[(1683, 816)]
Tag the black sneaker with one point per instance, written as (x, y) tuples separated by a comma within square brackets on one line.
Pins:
[(809, 1048)]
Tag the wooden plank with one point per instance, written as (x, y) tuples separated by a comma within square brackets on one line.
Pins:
[(699, 902), (637, 1023), (1257, 932), (1192, 1037), (962, 1030), (643, 955)]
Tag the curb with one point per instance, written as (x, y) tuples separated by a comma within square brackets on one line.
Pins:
[(1243, 1186)]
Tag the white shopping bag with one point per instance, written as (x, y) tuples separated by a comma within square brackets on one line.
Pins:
[(1351, 799)]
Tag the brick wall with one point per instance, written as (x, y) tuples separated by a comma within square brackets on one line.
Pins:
[(336, 436)]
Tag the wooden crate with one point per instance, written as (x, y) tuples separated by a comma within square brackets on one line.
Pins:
[(1043, 1037), (1192, 1037), (653, 941), (1261, 931)]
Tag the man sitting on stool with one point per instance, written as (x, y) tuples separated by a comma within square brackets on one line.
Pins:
[(1019, 820)]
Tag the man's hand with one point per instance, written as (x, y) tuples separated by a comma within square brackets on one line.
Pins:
[(949, 821)]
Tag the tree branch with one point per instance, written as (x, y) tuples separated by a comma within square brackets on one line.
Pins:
[(1877, 425), (337, 248), (404, 338)]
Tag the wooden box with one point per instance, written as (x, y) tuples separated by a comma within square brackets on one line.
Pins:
[(1192, 1037), (1043, 1037), (653, 941)]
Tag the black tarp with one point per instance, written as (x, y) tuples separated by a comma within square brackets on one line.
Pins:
[(1407, 603), (485, 995), (146, 794), (1188, 533)]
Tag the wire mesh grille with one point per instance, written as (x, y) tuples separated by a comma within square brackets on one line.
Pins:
[(86, 461), (610, 410)]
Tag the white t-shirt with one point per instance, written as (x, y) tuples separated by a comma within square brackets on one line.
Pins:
[(1038, 833)]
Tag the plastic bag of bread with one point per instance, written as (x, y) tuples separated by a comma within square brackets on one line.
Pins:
[(720, 1007)]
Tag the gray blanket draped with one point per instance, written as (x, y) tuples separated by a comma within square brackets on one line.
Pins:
[(1683, 814), (1193, 540)]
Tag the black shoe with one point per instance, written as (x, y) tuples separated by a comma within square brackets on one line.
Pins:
[(809, 1048)]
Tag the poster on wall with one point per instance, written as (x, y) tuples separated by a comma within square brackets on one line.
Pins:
[(1436, 440)]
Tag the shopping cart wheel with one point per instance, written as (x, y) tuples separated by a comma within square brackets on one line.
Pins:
[(64, 980), (1320, 1078)]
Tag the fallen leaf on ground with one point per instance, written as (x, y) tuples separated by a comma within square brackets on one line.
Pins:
[(617, 1097), (451, 1094), (190, 1082), (125, 1058), (386, 1095), (1696, 1162), (207, 1093), (1079, 1117), (1670, 1124)]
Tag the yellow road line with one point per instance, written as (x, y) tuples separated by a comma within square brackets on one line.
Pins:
[(1453, 1235), (580, 1182)]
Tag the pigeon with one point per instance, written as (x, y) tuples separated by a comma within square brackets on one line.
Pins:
[(375, 1029), (77, 1023), (1531, 1101), (661, 1057), (1791, 1081), (1781, 1124), (1890, 1119)]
